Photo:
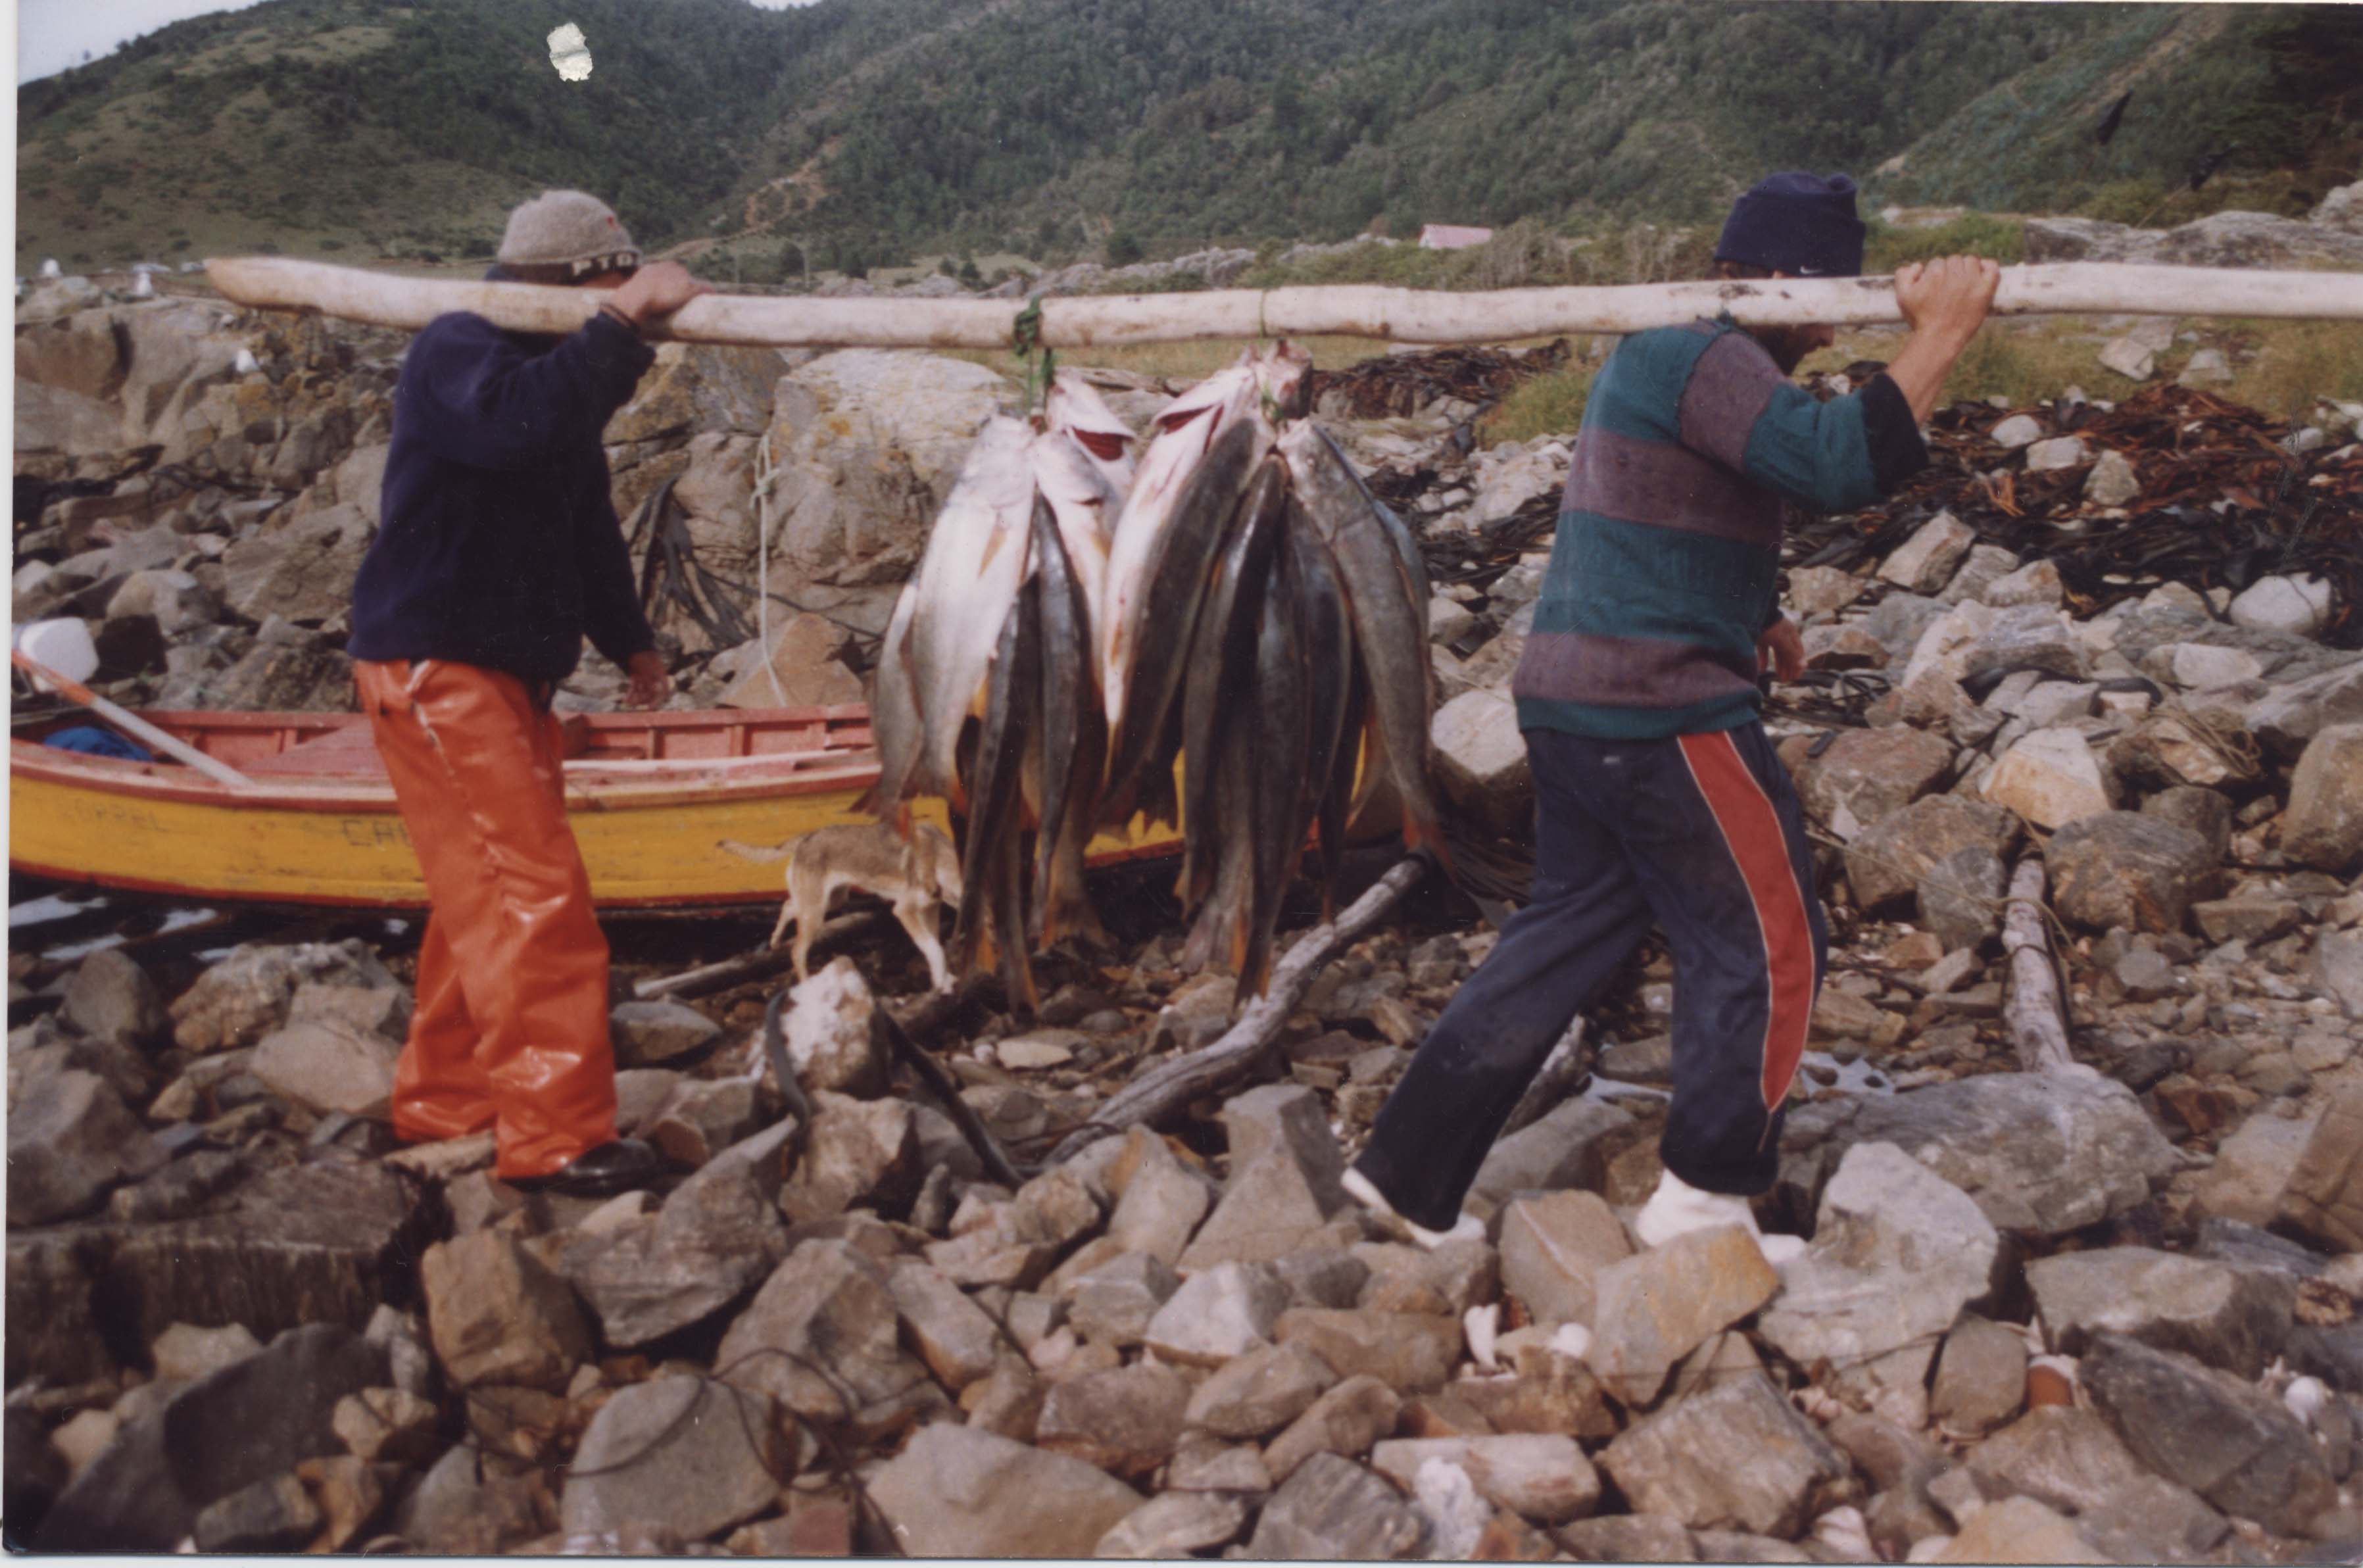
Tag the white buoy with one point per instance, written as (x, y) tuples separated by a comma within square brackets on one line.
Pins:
[(62, 645)]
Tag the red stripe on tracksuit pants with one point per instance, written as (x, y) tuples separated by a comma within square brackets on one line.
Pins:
[(1700, 835)]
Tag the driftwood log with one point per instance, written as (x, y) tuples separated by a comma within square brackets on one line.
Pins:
[(2033, 1006), (1168, 1088), (1397, 314)]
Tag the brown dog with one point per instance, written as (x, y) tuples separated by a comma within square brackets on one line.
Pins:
[(917, 878)]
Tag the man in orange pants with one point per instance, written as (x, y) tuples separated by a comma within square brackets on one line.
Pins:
[(498, 552)]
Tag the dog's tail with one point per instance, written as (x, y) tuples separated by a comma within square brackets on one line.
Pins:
[(763, 852)]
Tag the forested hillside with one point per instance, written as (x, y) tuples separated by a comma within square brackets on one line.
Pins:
[(1059, 127)]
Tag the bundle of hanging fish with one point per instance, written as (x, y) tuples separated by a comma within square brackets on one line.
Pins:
[(1240, 603)]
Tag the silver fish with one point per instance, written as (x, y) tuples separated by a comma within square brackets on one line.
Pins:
[(977, 556), (1386, 590)]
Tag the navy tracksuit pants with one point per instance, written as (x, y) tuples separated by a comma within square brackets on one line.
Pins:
[(1700, 834)]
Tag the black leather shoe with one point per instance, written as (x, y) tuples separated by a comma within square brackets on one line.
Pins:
[(612, 1167)]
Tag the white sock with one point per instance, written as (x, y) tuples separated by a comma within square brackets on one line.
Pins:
[(1468, 1228), (1677, 1209)]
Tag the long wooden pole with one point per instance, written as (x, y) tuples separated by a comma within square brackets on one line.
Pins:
[(171, 745), (1398, 315)]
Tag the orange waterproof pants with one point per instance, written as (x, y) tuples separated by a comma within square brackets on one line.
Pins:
[(510, 1029)]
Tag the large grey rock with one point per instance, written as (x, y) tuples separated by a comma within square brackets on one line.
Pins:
[(1734, 1457), (1897, 1252), (499, 1315), (2045, 1153), (1553, 1248), (1480, 758), (276, 1515), (111, 997), (2049, 777), (303, 571), (1959, 901), (1116, 1301), (1981, 1378), (1410, 1351), (2018, 1529), (652, 1034), (2223, 1437), (957, 1491), (1353, 1415), (869, 443), (1284, 1185), (2219, 240), (246, 1423), (323, 1242), (1331, 1508), (69, 1142), (828, 1312), (2121, 868), (329, 1067), (1885, 862), (715, 1237), (1123, 1420), (1925, 562), (2337, 969), (859, 1152), (1543, 1478), (682, 1454), (2323, 827), (831, 1032), (2290, 715), (1176, 1524), (2068, 1459), (2026, 637), (246, 996), (2231, 1317), (1556, 1150), (50, 1322), (957, 1338), (1868, 775), (1259, 1392), (2324, 1200), (1161, 1202), (469, 1504), (1656, 1307), (700, 388)]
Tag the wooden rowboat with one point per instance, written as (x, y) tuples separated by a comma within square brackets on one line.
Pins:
[(649, 795)]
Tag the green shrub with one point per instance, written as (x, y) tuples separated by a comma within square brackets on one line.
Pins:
[(1549, 404), (2001, 240)]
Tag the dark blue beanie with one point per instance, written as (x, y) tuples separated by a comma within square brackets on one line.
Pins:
[(1800, 224)]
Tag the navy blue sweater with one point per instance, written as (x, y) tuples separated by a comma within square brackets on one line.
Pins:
[(497, 544)]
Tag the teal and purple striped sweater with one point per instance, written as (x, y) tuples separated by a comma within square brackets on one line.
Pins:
[(1665, 570)]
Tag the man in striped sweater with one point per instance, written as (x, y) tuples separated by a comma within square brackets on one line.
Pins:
[(1658, 797)]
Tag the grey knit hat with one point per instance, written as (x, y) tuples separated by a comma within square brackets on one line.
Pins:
[(568, 229)]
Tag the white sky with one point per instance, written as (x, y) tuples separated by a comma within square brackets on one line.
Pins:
[(52, 35)]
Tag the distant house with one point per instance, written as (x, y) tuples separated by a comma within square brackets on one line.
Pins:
[(1452, 237)]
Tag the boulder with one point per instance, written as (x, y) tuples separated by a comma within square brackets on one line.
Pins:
[(1346, 1420), (301, 572), (1125, 1419), (1981, 1379), (957, 1338), (1410, 1352), (1260, 1391), (2112, 482), (831, 1032), (957, 1491), (657, 1033), (2226, 1317), (868, 442), (1868, 775), (175, 601), (1331, 1509), (326, 1241), (1176, 1524), (69, 1142), (2041, 1153), (2068, 1458), (828, 1309), (2324, 826), (327, 1067), (1656, 1307), (680, 1453), (276, 1515), (2049, 778), (111, 997), (804, 669), (1885, 862), (700, 388), (2324, 1200), (2217, 1434), (50, 1322), (2297, 605), (1116, 1301), (1734, 1457), (1553, 1248), (1925, 562), (2122, 868), (2338, 968), (2219, 240), (1543, 1478), (717, 1235), (1556, 1150), (246, 1423), (1480, 758), (499, 1315), (1897, 1252), (2289, 715), (1959, 901)]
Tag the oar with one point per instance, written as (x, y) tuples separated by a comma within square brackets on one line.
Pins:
[(178, 749), (1398, 315)]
